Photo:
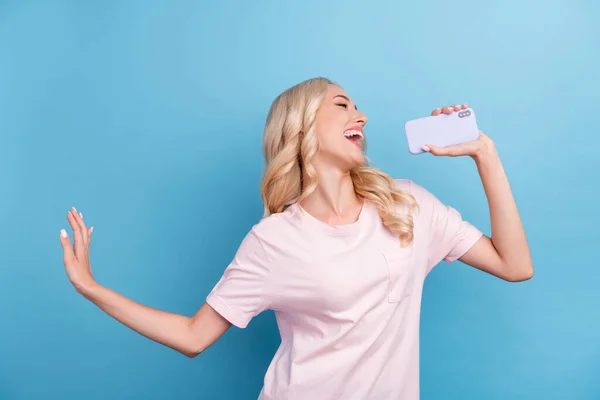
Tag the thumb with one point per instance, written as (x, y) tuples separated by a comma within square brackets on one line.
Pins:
[(67, 246)]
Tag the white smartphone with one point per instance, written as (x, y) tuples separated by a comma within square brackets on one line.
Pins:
[(442, 130)]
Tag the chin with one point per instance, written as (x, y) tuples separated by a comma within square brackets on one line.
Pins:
[(343, 159), (355, 161), (359, 160), (359, 155)]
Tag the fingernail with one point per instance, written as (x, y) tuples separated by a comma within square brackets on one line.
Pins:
[(91, 229), (74, 209), (425, 148), (63, 233), (81, 215)]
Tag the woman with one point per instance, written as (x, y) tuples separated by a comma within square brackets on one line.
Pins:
[(340, 256)]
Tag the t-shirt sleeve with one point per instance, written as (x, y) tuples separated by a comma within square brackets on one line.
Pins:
[(243, 290), (449, 236)]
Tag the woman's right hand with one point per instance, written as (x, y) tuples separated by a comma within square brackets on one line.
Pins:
[(77, 258), (189, 336)]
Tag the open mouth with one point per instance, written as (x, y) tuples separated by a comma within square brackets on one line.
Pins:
[(354, 136)]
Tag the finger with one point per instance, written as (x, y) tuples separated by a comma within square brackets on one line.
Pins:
[(436, 112), (448, 110), (90, 230), (84, 231), (68, 255), (455, 107), (440, 151), (464, 106), (431, 149), (79, 245)]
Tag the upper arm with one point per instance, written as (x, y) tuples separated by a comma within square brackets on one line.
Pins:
[(246, 286), (484, 256), (242, 292), (448, 236), (451, 238), (207, 326)]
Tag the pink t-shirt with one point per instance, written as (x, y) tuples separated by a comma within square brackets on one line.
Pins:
[(347, 298)]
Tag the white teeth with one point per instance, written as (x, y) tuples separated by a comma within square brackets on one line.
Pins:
[(351, 133)]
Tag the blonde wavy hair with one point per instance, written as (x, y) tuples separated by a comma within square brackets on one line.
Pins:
[(290, 142)]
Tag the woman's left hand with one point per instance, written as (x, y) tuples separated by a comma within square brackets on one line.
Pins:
[(481, 145)]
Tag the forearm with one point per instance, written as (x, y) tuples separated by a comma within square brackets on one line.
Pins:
[(169, 329), (508, 234)]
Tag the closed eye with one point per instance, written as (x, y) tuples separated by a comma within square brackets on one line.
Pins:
[(345, 98)]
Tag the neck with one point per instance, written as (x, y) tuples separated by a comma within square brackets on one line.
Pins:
[(334, 201)]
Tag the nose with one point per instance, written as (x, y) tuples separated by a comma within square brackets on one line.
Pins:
[(360, 118)]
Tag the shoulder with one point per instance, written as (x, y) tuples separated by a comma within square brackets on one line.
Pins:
[(276, 230), (421, 194), (271, 225), (256, 247), (402, 184)]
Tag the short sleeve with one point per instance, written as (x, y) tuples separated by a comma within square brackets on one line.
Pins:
[(449, 236), (242, 292)]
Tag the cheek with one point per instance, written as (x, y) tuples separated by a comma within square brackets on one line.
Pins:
[(330, 132), (328, 139)]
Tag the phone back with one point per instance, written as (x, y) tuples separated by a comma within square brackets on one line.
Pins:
[(442, 130)]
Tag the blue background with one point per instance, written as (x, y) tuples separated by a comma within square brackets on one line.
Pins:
[(148, 116)]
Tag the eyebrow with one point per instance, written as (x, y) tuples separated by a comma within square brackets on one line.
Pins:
[(345, 97)]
